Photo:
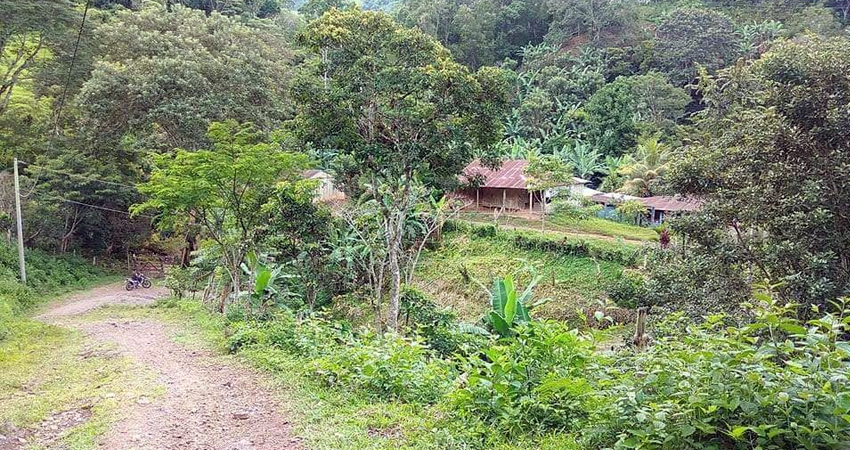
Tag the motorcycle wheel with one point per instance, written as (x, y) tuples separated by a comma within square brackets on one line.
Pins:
[(129, 286), (146, 284)]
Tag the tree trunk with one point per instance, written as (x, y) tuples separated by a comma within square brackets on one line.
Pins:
[(395, 271)]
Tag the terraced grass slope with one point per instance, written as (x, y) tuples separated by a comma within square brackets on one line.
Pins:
[(453, 273)]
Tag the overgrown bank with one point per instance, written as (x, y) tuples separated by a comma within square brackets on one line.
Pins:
[(575, 273), (776, 383), (47, 276)]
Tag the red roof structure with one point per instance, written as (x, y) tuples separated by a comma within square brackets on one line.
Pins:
[(665, 203), (511, 174)]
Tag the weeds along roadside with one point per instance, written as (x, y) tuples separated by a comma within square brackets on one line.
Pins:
[(776, 382)]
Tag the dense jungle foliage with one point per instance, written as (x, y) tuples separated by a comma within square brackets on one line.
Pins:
[(187, 128)]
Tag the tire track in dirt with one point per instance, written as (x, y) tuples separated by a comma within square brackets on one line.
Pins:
[(209, 403)]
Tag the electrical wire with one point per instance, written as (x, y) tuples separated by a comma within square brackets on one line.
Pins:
[(102, 208), (63, 199), (71, 67), (70, 174)]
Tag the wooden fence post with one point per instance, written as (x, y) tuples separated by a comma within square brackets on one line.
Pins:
[(641, 339)]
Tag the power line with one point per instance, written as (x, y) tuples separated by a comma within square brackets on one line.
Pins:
[(70, 174), (103, 208), (71, 67)]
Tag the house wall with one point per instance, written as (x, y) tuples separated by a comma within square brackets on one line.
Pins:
[(514, 199), (327, 190)]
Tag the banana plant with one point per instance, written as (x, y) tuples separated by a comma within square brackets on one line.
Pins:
[(263, 278), (507, 308)]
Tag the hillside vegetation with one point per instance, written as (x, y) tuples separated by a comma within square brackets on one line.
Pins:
[(47, 276), (452, 274), (187, 127)]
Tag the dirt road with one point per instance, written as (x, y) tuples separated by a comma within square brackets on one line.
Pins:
[(209, 401)]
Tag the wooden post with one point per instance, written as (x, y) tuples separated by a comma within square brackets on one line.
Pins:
[(19, 222), (530, 202), (641, 339), (477, 199), (504, 198)]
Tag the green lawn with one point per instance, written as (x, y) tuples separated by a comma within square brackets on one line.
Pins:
[(586, 228), (449, 275)]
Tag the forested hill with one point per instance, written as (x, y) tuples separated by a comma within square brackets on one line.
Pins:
[(615, 89), (328, 176)]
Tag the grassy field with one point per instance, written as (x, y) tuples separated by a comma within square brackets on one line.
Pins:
[(587, 228), (452, 273)]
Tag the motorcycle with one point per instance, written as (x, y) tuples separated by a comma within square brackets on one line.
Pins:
[(138, 279)]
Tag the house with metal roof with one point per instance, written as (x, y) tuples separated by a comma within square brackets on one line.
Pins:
[(659, 208), (506, 187)]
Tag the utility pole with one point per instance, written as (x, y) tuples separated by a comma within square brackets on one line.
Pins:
[(20, 226)]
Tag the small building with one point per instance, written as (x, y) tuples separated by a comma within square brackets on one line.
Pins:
[(327, 191), (506, 187), (659, 208), (609, 202)]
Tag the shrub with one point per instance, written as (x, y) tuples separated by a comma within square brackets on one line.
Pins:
[(484, 231), (697, 284), (179, 280), (438, 327), (774, 383), (388, 367), (629, 290), (619, 253), (47, 273), (530, 383), (528, 240), (576, 208), (309, 337), (14, 300)]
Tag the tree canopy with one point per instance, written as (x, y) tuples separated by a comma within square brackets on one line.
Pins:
[(165, 75), (397, 109), (771, 162)]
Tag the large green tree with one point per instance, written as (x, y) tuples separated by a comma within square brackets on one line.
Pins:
[(610, 119), (313, 9), (572, 18), (691, 37), (164, 76), (394, 107), (61, 183), (479, 32), (771, 161), (31, 34), (223, 190), (658, 104)]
